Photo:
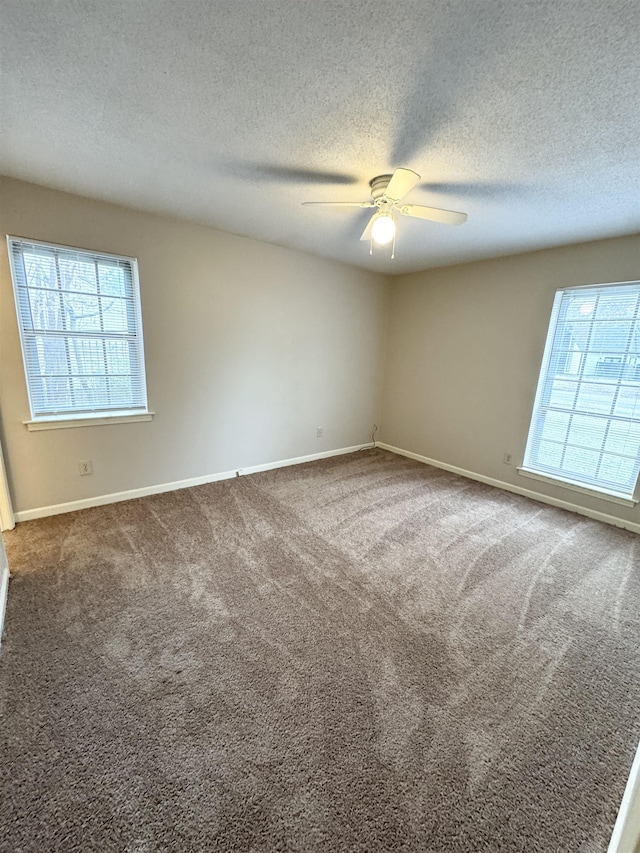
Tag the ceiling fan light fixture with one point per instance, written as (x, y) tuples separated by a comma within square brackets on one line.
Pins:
[(383, 229), (387, 191)]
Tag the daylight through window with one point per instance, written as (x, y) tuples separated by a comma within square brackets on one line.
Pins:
[(585, 428), (81, 331)]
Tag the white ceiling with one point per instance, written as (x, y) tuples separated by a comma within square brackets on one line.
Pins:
[(524, 113)]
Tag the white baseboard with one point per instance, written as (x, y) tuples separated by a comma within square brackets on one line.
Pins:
[(116, 497), (527, 493), (626, 832), (4, 591)]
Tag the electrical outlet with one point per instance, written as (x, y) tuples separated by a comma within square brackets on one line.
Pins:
[(508, 458), (85, 467), (319, 432)]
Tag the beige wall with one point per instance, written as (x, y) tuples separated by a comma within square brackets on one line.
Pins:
[(249, 348), (464, 351)]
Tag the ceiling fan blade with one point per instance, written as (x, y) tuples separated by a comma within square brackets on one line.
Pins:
[(342, 203), (435, 214), (402, 181), (366, 234)]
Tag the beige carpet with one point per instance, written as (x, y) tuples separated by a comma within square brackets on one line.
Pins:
[(358, 654)]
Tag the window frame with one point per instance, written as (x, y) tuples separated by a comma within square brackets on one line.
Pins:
[(90, 417), (604, 493)]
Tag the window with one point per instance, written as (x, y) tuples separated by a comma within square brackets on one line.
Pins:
[(585, 428), (81, 332)]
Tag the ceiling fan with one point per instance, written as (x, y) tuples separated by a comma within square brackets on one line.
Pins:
[(387, 192)]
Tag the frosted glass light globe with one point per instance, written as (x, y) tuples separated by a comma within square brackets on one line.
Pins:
[(383, 229)]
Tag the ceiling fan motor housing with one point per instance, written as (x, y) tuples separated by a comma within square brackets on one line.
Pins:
[(379, 185)]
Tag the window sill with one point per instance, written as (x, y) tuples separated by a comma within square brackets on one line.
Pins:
[(67, 421), (577, 487)]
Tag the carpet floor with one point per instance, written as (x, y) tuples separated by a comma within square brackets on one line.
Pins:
[(357, 654)]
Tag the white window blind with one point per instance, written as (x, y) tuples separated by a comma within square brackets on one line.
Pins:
[(80, 328), (585, 428)]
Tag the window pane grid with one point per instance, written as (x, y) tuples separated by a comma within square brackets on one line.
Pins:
[(614, 353), (592, 414), (80, 329), (568, 444), (585, 426), (82, 333), (56, 290)]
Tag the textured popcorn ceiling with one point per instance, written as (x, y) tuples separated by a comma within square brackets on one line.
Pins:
[(524, 113)]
